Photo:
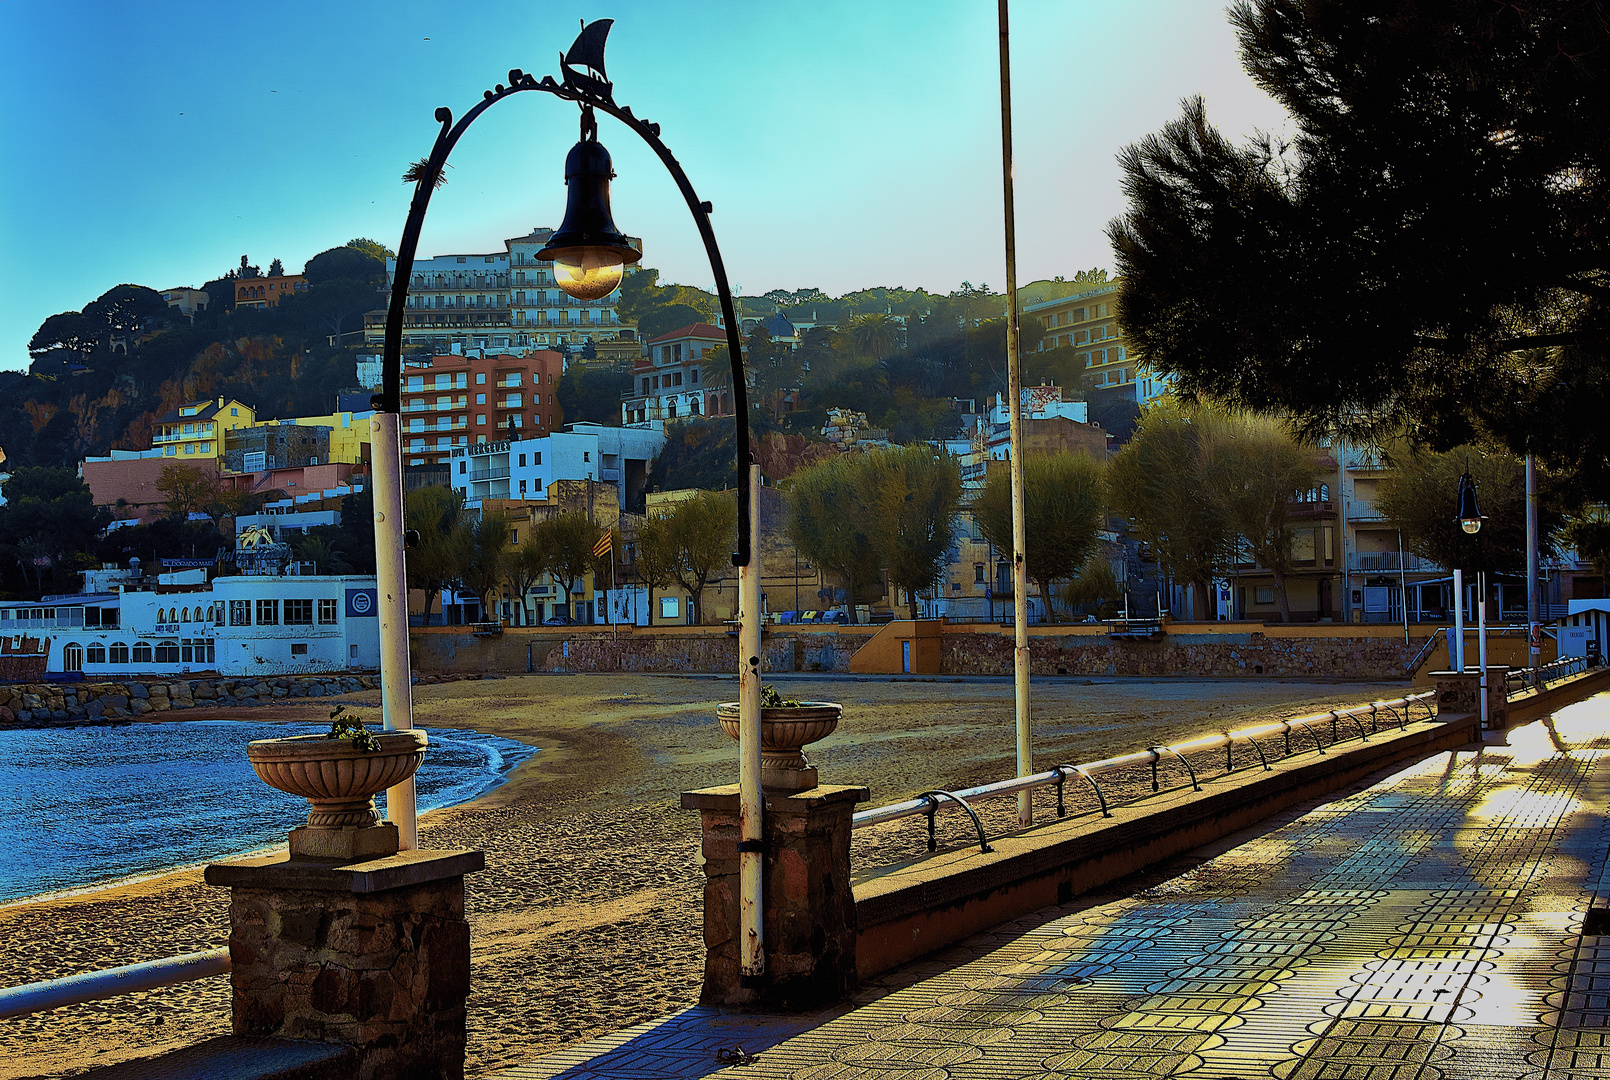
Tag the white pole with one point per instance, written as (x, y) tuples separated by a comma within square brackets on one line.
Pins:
[(1481, 639), (1456, 646), (1014, 393), (1534, 622), (396, 674), (751, 807)]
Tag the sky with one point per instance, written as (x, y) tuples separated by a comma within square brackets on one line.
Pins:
[(844, 144)]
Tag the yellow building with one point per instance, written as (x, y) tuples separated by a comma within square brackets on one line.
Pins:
[(349, 437), (1087, 322), (195, 431)]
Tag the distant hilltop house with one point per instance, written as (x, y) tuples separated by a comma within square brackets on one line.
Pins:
[(845, 427), (267, 291), (1087, 321), (667, 381)]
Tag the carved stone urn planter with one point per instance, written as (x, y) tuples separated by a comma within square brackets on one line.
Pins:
[(339, 780), (784, 732)]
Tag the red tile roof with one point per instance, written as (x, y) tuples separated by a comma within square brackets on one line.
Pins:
[(697, 330)]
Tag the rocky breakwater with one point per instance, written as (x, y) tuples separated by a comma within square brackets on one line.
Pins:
[(34, 705)]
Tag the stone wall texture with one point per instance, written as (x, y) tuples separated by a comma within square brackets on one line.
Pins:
[(70, 704), (1250, 652), (386, 972)]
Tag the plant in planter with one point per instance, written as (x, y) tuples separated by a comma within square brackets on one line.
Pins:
[(786, 728), (339, 774)]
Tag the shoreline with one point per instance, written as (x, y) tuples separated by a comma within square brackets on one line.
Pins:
[(183, 873)]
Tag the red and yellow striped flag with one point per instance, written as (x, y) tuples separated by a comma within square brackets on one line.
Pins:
[(605, 543)]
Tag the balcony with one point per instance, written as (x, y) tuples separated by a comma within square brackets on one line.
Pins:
[(510, 402), (507, 384), (1389, 562), (490, 474), (1309, 511)]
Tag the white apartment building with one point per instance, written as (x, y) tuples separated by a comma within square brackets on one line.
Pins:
[(666, 382), (500, 300), (523, 468), (249, 625)]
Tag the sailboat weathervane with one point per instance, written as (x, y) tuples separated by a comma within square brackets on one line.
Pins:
[(588, 52)]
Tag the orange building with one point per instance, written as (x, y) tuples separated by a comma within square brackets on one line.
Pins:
[(267, 291), (456, 400)]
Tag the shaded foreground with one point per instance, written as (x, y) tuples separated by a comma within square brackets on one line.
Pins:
[(587, 918)]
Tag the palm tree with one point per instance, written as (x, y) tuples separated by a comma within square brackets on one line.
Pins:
[(874, 335)]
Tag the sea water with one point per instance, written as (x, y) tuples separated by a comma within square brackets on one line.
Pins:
[(87, 806)]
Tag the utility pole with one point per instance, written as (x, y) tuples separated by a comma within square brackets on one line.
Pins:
[(1014, 384)]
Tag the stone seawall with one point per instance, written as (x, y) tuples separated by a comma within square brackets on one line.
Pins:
[(1253, 653), (1244, 653), (33, 705)]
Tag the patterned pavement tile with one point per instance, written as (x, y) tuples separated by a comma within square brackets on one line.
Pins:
[(1427, 927)]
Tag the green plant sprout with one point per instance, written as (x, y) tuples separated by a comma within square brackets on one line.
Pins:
[(351, 727), (771, 699)]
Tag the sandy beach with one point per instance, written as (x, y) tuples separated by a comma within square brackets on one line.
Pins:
[(587, 916)]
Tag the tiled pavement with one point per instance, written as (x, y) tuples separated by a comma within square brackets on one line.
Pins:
[(1426, 927)]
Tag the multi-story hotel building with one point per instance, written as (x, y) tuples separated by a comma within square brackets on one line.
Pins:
[(1087, 322), (503, 300), (455, 400)]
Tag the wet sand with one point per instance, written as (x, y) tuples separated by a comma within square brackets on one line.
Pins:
[(587, 917)]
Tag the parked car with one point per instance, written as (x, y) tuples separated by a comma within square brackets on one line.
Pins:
[(560, 620)]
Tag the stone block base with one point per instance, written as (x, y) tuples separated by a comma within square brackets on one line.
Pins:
[(809, 908), (373, 955), (354, 843)]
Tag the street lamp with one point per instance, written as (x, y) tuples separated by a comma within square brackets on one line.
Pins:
[(1470, 520), (590, 255)]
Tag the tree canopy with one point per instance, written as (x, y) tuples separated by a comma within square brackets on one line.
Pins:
[(1062, 510), (1427, 255)]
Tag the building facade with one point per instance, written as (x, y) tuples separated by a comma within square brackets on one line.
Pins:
[(504, 300), (666, 381), (456, 400), (1087, 322), (247, 625), (525, 468), (196, 431), (267, 291)]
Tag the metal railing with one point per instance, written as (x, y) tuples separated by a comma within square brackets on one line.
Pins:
[(1523, 679), (96, 985), (929, 802)]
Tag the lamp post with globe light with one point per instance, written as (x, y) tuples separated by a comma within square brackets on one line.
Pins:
[(590, 256), (1470, 520)]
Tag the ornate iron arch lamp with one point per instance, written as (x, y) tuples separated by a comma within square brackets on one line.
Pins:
[(589, 255)]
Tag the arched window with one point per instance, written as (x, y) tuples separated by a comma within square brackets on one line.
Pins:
[(218, 615), (167, 652), (72, 657), (184, 616), (119, 652), (95, 654), (142, 652)]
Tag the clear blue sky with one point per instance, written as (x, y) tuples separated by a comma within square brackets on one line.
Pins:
[(844, 144)]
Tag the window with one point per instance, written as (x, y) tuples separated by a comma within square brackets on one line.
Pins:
[(95, 654), (514, 536), (480, 418), (668, 606), (326, 612), (463, 467), (268, 613), (978, 573), (119, 652), (142, 652), (234, 412), (480, 399), (299, 613), (522, 487), (586, 455), (480, 380), (299, 648), (536, 458), (522, 461), (240, 613), (167, 652)]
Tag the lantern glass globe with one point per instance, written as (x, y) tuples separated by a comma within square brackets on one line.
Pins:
[(1472, 526), (588, 273)]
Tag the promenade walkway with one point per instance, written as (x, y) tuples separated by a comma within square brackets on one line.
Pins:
[(1426, 927)]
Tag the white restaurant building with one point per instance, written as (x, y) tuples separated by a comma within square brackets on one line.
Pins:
[(261, 625)]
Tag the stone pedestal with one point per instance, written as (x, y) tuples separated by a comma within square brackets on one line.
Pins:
[(809, 921), (374, 955), (1460, 692)]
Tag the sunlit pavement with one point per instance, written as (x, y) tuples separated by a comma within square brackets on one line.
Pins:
[(1426, 927)]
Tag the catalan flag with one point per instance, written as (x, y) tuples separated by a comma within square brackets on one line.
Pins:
[(605, 543)]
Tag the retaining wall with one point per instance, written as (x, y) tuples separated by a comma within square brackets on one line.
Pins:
[(32, 705)]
